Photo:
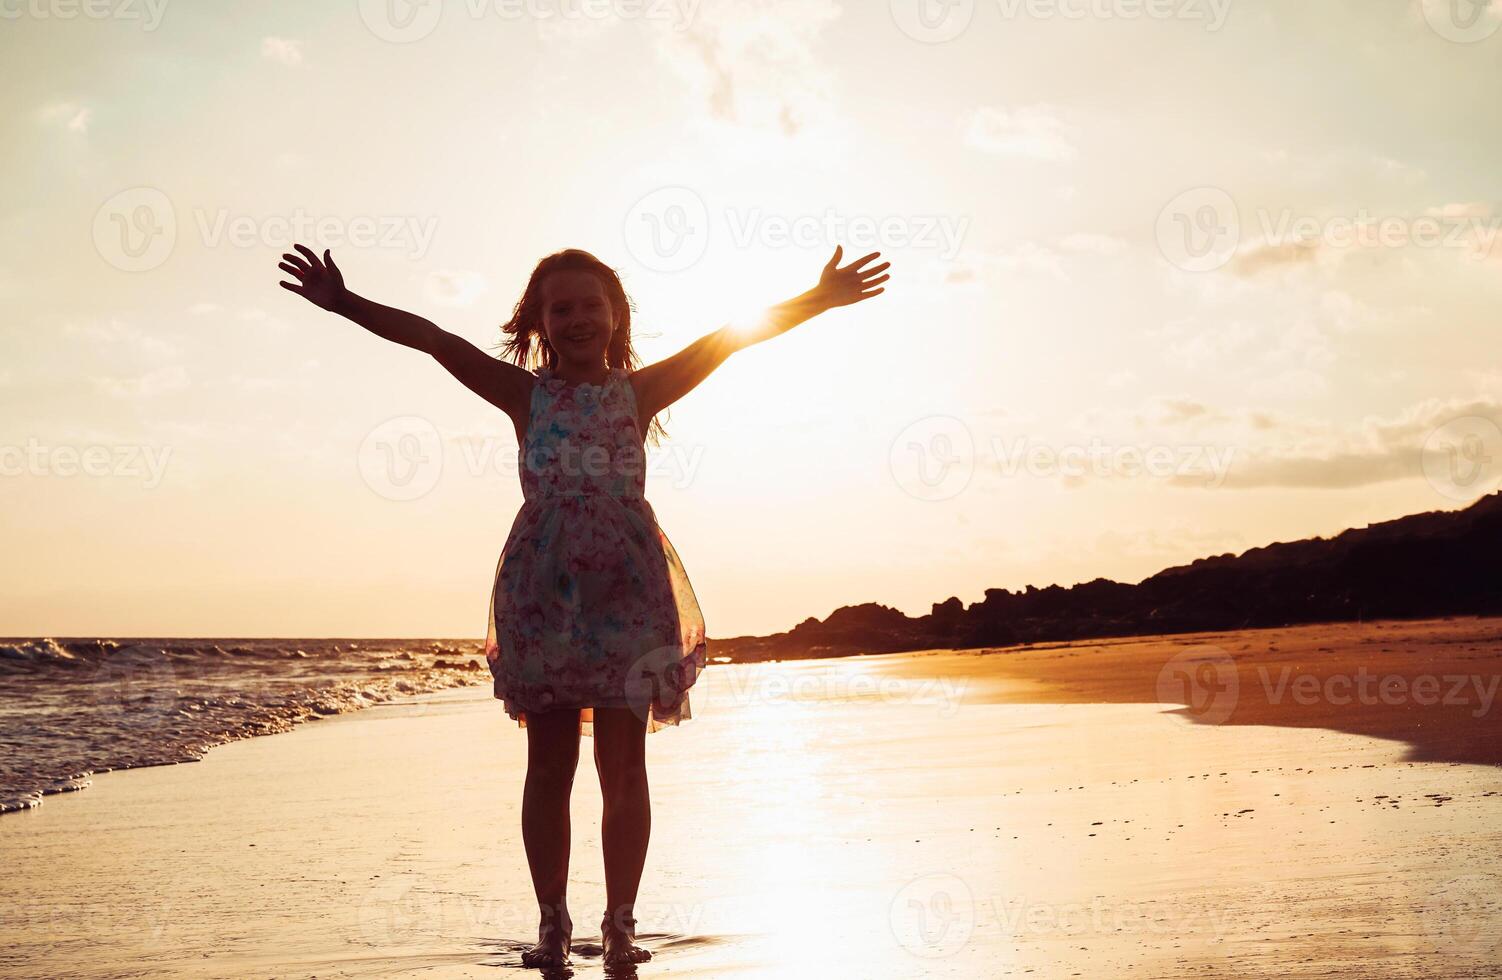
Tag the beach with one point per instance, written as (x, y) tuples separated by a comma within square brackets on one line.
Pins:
[(1044, 812)]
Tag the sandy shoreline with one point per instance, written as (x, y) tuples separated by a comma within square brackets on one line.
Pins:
[(946, 814)]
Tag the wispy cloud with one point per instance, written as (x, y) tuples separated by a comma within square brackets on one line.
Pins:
[(71, 116), (284, 50), (755, 62), (1032, 132), (1380, 450), (172, 377), (455, 287)]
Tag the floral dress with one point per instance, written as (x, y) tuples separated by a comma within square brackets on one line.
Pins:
[(591, 606)]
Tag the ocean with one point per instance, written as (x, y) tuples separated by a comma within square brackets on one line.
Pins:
[(74, 707)]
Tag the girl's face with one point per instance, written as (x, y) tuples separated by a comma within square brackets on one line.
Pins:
[(576, 317)]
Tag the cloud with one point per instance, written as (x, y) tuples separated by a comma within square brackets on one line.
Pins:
[(1263, 256), (1030, 258), (455, 287), (754, 63), (1379, 451), (119, 333), (1032, 132), (1091, 243), (172, 377), (71, 116), (1027, 258), (282, 49)]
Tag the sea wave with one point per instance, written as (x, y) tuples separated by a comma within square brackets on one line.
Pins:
[(71, 708)]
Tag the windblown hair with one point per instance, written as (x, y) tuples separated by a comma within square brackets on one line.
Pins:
[(526, 344)]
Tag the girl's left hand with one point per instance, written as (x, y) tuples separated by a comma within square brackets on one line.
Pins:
[(842, 287)]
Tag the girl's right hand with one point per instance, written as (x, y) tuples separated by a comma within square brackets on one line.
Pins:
[(318, 281)]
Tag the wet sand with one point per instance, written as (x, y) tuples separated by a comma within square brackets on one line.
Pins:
[(1026, 813)]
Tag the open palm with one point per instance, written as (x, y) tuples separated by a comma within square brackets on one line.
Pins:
[(853, 283), (319, 281)]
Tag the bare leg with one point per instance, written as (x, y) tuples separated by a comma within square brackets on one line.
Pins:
[(620, 757), (552, 758)]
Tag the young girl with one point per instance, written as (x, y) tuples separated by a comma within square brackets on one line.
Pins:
[(593, 627)]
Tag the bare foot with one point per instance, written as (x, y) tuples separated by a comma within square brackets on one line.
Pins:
[(554, 940), (618, 937)]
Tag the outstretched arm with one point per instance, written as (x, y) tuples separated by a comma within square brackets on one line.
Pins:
[(663, 383), (320, 282)]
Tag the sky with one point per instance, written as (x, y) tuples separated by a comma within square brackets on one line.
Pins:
[(1171, 278)]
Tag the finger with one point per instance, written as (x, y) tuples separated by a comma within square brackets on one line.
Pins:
[(874, 282), (875, 292), (295, 270), (868, 273), (289, 286), (312, 256), (835, 259), (862, 261), (328, 260), (296, 260)]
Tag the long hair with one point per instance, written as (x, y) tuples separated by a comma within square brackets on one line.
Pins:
[(526, 344)]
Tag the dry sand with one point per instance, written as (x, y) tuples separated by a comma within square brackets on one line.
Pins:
[(1025, 813)]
